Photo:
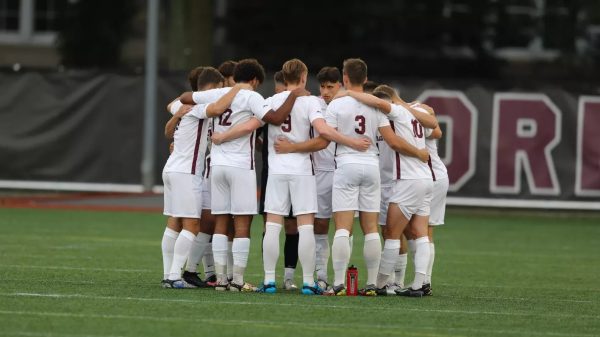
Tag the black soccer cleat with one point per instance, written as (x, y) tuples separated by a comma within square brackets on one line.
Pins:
[(194, 280), (427, 289), (410, 292), (383, 291), (175, 284), (211, 280), (368, 290)]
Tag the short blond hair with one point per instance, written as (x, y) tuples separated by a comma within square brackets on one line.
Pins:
[(292, 71), (386, 89)]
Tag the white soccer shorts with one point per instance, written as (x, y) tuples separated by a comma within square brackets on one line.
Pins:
[(285, 190), (386, 194), (413, 196), (438, 202), (206, 193), (324, 193), (356, 187), (233, 190), (182, 195)]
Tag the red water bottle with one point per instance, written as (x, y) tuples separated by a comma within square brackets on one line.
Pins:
[(352, 281)]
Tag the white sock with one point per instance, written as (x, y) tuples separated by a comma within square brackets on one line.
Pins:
[(306, 252), (240, 249), (322, 255), (271, 250), (372, 256), (351, 243), (208, 261), (389, 255), (412, 248), (197, 251), (340, 255), (400, 269), (431, 259), (167, 245), (421, 261), (180, 253), (230, 263), (219, 246), (288, 273)]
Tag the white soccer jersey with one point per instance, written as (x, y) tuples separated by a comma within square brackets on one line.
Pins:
[(355, 119), (409, 128), (387, 157), (175, 105), (190, 140), (238, 152), (297, 129), (437, 167), (324, 160)]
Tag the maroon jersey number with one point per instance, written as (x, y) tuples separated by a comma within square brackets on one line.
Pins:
[(224, 118), (286, 126), (360, 129), (417, 128)]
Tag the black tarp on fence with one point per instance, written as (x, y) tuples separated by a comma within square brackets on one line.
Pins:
[(501, 141)]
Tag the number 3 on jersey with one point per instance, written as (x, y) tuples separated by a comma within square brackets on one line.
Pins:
[(286, 126), (417, 128), (360, 128), (224, 118)]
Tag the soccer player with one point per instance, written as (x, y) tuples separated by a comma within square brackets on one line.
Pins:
[(386, 166), (369, 86), (411, 194), (440, 189), (232, 165), (202, 247), (329, 84), (291, 183), (356, 181), (174, 225), (227, 69), (290, 247), (183, 181)]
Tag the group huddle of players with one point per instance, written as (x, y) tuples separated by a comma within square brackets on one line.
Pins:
[(356, 150)]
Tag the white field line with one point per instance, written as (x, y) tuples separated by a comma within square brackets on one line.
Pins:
[(373, 329), (50, 334), (118, 270), (508, 286), (520, 256), (316, 305)]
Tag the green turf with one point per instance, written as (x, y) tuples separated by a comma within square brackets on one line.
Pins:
[(77, 273)]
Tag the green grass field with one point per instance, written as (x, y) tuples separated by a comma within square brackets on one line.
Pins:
[(78, 273)]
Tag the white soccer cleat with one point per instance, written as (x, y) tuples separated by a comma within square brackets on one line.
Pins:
[(289, 285), (391, 288)]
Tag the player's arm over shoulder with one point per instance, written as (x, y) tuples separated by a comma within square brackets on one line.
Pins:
[(278, 116)]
